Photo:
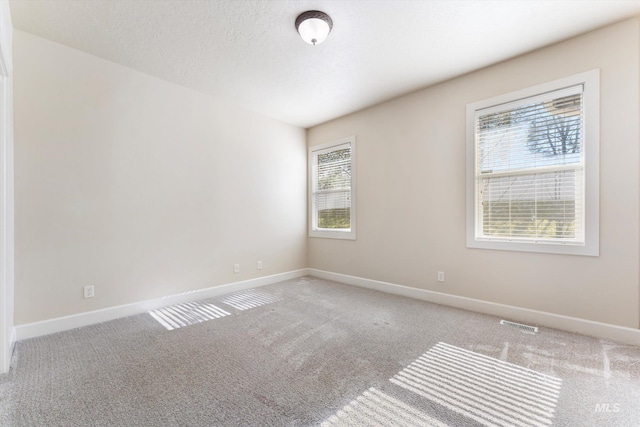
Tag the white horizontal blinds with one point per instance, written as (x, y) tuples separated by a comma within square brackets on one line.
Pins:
[(332, 188), (530, 169)]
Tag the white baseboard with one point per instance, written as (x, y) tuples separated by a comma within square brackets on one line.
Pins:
[(59, 324), (525, 315), (539, 318), (5, 359)]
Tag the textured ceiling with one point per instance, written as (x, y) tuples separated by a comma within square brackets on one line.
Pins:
[(248, 52)]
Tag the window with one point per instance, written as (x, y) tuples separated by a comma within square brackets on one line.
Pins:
[(532, 169), (332, 189)]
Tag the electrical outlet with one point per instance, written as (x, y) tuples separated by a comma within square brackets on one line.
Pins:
[(88, 292), (236, 268), (259, 265), (440, 276)]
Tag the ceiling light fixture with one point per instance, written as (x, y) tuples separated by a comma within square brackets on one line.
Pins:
[(314, 26)]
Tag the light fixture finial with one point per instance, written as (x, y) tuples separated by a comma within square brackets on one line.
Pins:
[(314, 26)]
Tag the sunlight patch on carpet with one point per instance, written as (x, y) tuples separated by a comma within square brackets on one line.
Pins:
[(251, 298), (375, 408), (487, 390), (189, 313)]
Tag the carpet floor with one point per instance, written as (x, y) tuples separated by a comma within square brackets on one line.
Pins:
[(314, 352)]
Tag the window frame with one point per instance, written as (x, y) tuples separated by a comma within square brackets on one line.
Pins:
[(590, 81), (314, 231)]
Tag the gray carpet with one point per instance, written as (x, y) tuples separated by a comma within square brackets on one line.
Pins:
[(314, 352)]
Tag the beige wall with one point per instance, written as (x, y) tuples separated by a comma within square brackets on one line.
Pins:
[(411, 190), (142, 188)]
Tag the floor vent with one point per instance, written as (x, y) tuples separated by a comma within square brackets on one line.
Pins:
[(525, 328)]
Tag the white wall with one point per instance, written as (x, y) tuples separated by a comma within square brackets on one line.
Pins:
[(6, 189), (6, 32), (411, 190), (142, 188)]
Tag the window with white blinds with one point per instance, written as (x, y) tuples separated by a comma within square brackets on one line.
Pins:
[(529, 169), (332, 209)]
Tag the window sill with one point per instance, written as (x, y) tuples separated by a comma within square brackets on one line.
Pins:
[(328, 234), (588, 249)]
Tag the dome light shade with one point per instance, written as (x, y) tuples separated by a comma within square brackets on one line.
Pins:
[(314, 26)]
